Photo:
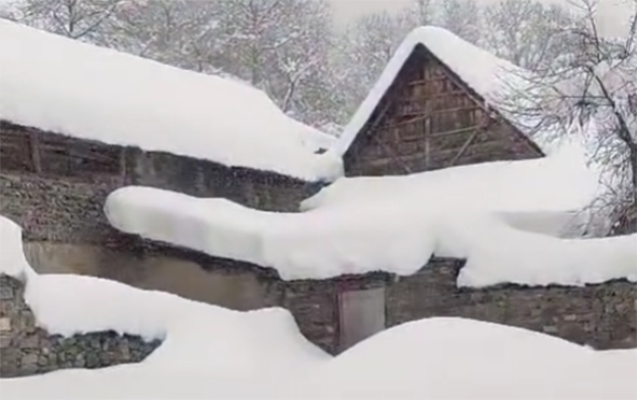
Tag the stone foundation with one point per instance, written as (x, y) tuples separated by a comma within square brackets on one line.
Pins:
[(234, 288), (26, 349), (603, 316)]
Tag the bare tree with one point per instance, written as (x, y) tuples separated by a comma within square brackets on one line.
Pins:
[(10, 10), (422, 12), (365, 49), (176, 32), (594, 87), (280, 46), (77, 19), (526, 32), (462, 17)]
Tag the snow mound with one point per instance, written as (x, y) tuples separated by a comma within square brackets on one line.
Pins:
[(453, 358), (212, 353), (560, 182), (396, 223), (69, 304), (100, 94), (398, 237)]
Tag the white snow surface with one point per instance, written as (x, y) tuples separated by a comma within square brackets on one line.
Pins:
[(485, 361), (562, 181), (212, 353), (221, 341), (493, 78), (397, 224), (64, 86)]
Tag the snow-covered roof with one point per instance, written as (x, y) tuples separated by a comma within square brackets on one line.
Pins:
[(468, 212), (64, 86), (490, 77)]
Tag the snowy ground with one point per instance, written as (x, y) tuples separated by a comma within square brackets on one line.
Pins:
[(205, 347), (213, 353)]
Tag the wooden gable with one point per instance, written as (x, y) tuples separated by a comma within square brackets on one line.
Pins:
[(429, 119)]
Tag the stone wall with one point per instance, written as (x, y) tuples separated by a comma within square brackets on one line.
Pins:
[(256, 189), (190, 275), (26, 349), (69, 209), (315, 305), (57, 210), (603, 316)]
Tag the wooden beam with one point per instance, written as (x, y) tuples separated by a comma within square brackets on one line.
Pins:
[(419, 82), (464, 147), (369, 129), (484, 124), (428, 114), (123, 163), (390, 153), (35, 152), (379, 117), (436, 96), (372, 132), (427, 134), (455, 131)]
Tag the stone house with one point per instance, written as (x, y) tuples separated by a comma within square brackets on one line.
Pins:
[(70, 136), (446, 123)]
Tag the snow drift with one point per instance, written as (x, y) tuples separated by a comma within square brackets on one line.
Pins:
[(396, 224), (213, 353)]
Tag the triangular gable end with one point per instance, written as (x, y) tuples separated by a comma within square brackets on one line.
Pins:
[(428, 119)]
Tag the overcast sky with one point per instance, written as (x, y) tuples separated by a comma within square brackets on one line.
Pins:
[(612, 13)]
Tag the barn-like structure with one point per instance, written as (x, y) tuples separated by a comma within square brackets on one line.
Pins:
[(431, 108)]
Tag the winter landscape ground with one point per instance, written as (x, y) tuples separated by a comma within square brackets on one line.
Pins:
[(213, 353), (269, 88)]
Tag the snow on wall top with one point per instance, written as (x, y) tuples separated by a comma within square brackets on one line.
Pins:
[(390, 224), (489, 76), (560, 182), (263, 337), (61, 85)]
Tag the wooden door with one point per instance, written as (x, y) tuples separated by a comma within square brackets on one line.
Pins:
[(361, 315)]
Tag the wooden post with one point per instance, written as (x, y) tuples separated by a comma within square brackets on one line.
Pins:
[(35, 152)]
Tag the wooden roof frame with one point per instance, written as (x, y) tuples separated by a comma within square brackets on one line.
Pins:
[(476, 97)]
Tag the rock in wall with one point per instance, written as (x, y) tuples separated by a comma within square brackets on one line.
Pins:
[(26, 349)]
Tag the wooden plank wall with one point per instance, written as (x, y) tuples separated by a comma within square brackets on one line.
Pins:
[(28, 150)]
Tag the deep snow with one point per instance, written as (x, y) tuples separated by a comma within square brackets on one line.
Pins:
[(65, 86), (213, 353)]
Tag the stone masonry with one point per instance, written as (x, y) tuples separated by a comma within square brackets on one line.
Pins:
[(26, 349), (603, 316)]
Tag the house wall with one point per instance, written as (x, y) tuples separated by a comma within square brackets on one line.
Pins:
[(429, 120), (32, 155), (196, 277), (26, 349), (57, 195), (603, 316)]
